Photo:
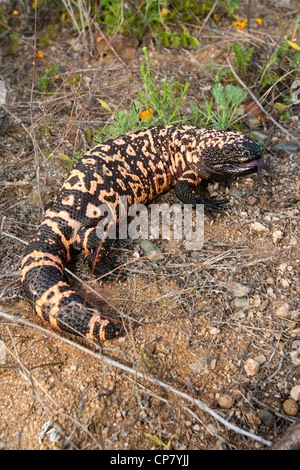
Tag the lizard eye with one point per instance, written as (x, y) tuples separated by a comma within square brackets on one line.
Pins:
[(227, 151)]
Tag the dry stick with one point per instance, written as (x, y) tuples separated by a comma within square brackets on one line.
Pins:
[(111, 362), (207, 18), (37, 161), (283, 129)]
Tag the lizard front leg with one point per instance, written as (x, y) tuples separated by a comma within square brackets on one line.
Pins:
[(188, 189)]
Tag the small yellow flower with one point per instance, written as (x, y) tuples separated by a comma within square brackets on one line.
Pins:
[(259, 20), (40, 54), (240, 25), (15, 13)]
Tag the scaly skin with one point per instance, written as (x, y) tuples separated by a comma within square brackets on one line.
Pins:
[(141, 166)]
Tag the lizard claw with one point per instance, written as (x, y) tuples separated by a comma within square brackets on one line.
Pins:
[(212, 204)]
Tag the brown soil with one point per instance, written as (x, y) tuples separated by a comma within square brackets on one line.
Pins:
[(193, 336)]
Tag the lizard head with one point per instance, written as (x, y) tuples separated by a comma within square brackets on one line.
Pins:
[(224, 154)]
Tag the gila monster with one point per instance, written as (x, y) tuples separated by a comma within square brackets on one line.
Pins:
[(140, 165)]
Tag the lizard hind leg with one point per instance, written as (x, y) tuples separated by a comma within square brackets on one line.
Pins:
[(98, 251)]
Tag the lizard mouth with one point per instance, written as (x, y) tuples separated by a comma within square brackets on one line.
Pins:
[(242, 168), (254, 165)]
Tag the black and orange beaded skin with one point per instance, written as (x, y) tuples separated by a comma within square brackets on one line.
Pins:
[(139, 165)]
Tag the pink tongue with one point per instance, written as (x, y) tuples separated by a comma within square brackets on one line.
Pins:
[(259, 163)]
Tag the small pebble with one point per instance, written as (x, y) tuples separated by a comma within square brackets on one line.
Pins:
[(256, 301), (290, 407), (266, 418), (258, 227), (283, 311), (240, 302), (295, 356), (251, 367), (225, 401), (2, 353), (151, 250), (260, 359), (284, 282), (295, 393), (252, 200), (214, 331), (239, 290), (282, 267), (277, 235)]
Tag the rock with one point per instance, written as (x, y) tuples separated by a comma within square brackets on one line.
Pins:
[(240, 303), (253, 109), (236, 193), (290, 407), (124, 46), (283, 310), (282, 267), (251, 367), (2, 352), (288, 147), (151, 250), (239, 290), (252, 200), (258, 227), (260, 359), (256, 301), (295, 393), (277, 235), (295, 356), (266, 418), (214, 331), (260, 136), (284, 282), (253, 122), (225, 401), (3, 92)]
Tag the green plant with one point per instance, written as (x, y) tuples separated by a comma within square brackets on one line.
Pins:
[(163, 100), (122, 121), (228, 100), (149, 16), (242, 57), (281, 58), (167, 100), (221, 113), (176, 38), (285, 56), (131, 17), (49, 76), (232, 5), (68, 162), (15, 39)]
